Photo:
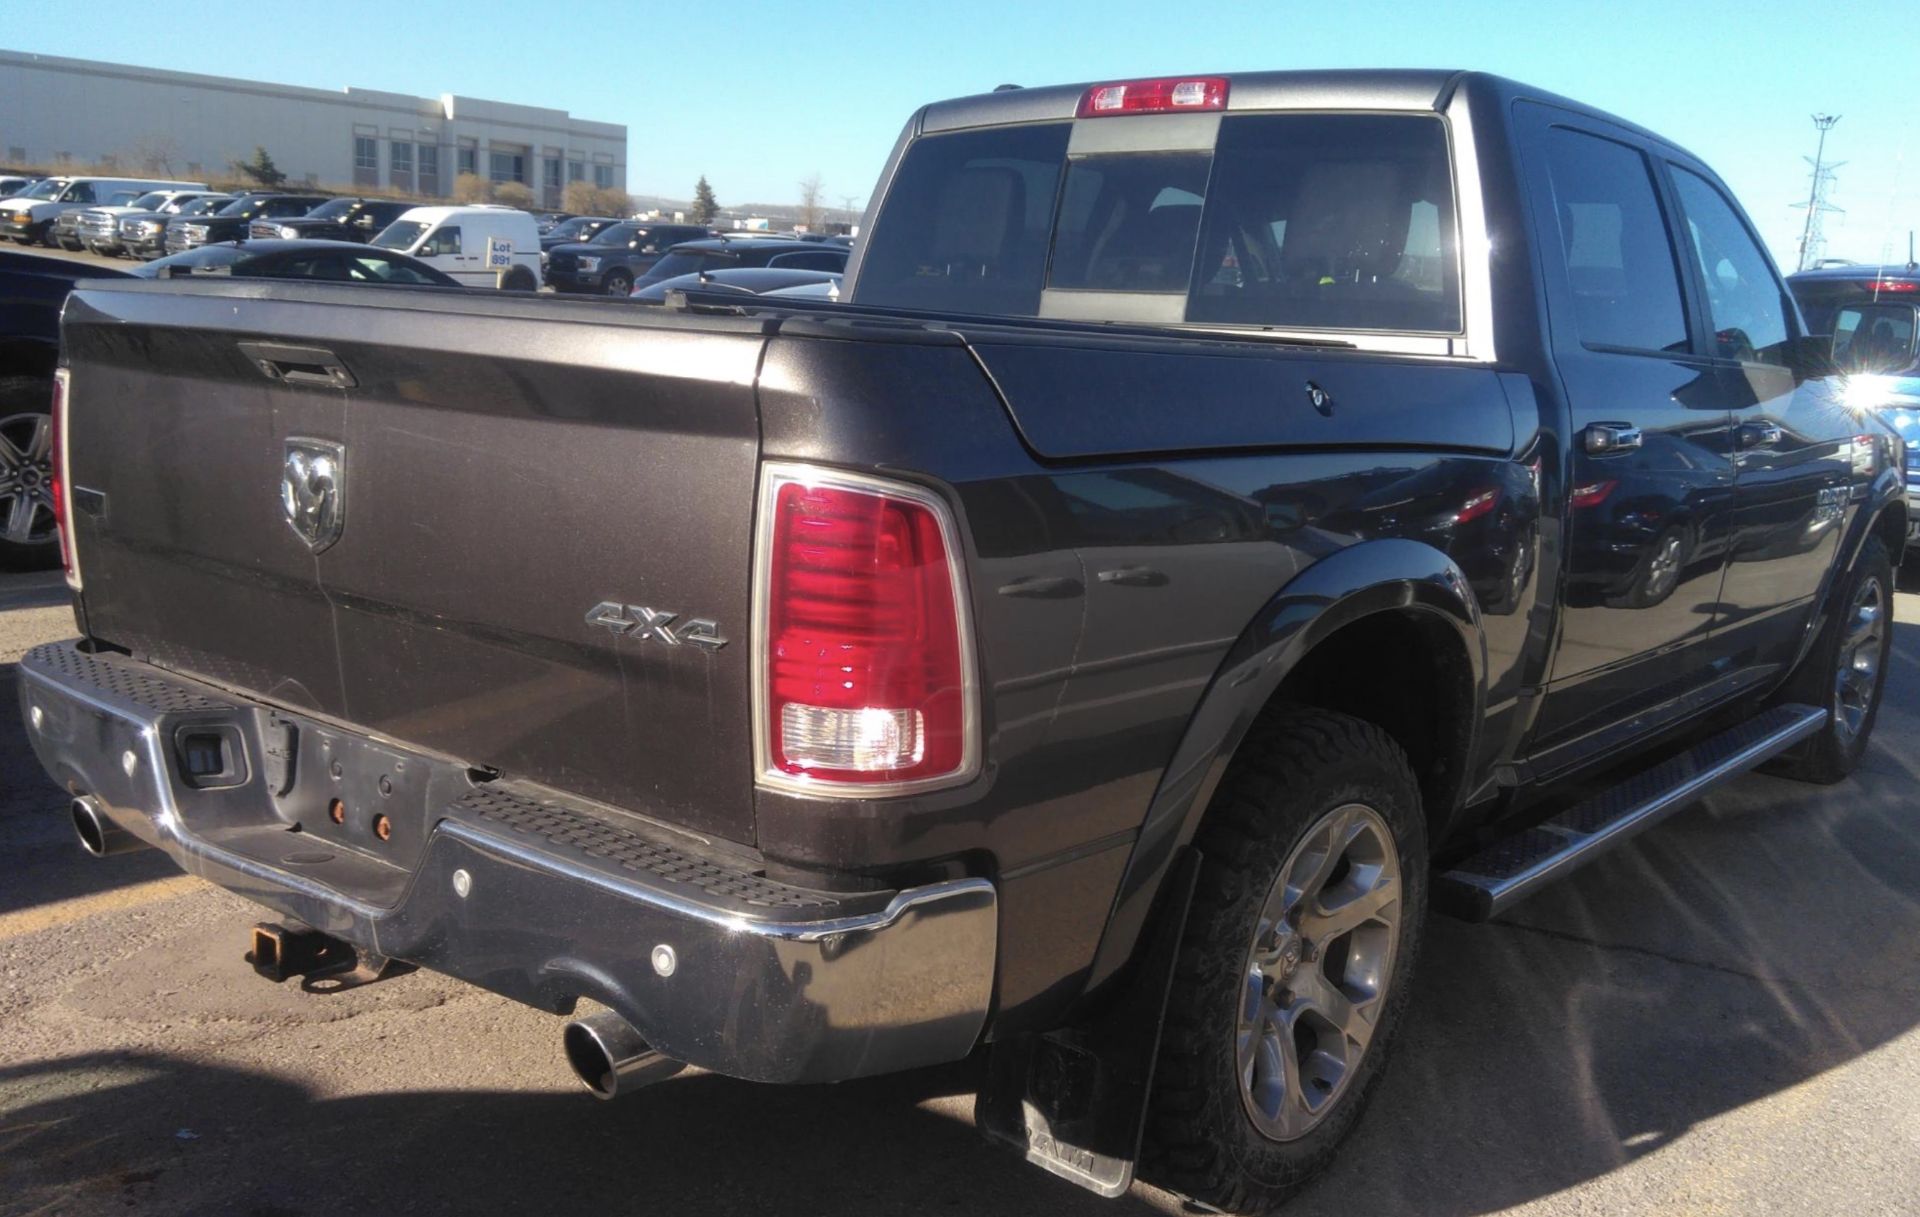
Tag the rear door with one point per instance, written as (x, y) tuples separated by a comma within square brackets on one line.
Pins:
[(1793, 442), (1650, 512), (536, 500)]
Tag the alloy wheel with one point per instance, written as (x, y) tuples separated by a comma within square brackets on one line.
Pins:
[(1317, 971), (1862, 650), (26, 479)]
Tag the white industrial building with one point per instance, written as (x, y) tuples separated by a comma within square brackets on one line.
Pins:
[(182, 125)]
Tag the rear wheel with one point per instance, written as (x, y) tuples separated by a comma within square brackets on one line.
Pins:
[(27, 537), (1846, 671), (1295, 964), (619, 283), (520, 279)]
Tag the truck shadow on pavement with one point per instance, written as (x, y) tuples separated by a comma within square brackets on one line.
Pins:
[(1758, 940)]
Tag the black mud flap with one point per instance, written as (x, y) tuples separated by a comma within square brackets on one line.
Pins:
[(1074, 1101)]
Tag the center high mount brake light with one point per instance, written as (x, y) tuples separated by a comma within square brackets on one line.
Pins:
[(1168, 95)]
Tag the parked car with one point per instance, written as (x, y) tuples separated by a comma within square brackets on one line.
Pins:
[(744, 281), (234, 221), (334, 220), (28, 217), (616, 257), (13, 184), (574, 230), (737, 253), (98, 228), (144, 236), (1093, 643), (547, 221), (1873, 314), (33, 287), (326, 261), (482, 246)]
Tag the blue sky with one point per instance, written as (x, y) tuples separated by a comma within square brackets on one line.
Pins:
[(757, 96)]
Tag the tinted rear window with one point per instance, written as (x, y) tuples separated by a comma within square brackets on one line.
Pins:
[(967, 222), (1296, 221)]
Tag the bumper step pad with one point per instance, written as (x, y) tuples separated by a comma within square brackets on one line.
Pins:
[(1506, 871)]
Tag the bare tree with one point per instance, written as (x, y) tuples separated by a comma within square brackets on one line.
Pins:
[(810, 193), (154, 152)]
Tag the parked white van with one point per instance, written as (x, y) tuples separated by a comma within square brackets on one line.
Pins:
[(28, 216), (482, 246)]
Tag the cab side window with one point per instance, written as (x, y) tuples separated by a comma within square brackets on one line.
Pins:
[(81, 192), (443, 241), (1621, 267), (1745, 300)]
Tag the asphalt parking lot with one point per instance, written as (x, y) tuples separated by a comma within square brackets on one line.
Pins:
[(1722, 1018)]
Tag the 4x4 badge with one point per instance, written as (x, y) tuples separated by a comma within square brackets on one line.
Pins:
[(640, 622)]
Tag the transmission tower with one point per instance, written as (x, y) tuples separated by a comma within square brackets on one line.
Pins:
[(1812, 241)]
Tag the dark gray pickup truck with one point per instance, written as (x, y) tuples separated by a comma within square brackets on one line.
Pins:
[(1225, 517)]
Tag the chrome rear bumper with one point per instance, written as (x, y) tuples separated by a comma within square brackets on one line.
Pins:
[(521, 891)]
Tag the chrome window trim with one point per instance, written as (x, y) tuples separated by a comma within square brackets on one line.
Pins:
[(1473, 238), (767, 776)]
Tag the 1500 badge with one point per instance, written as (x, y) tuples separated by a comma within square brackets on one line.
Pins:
[(640, 622)]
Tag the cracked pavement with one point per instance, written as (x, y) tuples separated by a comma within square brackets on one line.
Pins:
[(1723, 1017)]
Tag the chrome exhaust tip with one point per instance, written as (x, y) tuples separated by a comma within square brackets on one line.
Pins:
[(98, 834), (608, 1055)]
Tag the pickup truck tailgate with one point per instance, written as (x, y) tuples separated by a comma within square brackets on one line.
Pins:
[(505, 467)]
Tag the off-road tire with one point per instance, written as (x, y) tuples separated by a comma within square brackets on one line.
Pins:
[(1295, 766), (1831, 755)]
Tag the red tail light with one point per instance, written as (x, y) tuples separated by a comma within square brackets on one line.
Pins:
[(1168, 96), (1897, 285), (864, 654), (1477, 505), (1592, 494), (61, 487)]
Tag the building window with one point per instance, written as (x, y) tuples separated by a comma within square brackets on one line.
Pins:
[(469, 158), (366, 161), (576, 171), (429, 169), (603, 176), (400, 164), (507, 166)]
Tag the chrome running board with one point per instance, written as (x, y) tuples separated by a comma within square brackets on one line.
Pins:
[(1508, 870)]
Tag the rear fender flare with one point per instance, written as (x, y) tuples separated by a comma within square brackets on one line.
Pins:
[(1390, 575)]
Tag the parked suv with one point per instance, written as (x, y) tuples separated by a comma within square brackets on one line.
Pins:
[(28, 216), (733, 253), (1873, 313), (334, 220), (574, 230), (617, 257), (234, 221)]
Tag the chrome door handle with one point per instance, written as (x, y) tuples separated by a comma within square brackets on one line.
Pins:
[(1604, 438), (1760, 435)]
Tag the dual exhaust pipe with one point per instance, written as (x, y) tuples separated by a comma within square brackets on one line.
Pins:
[(607, 1054), (604, 1050)]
